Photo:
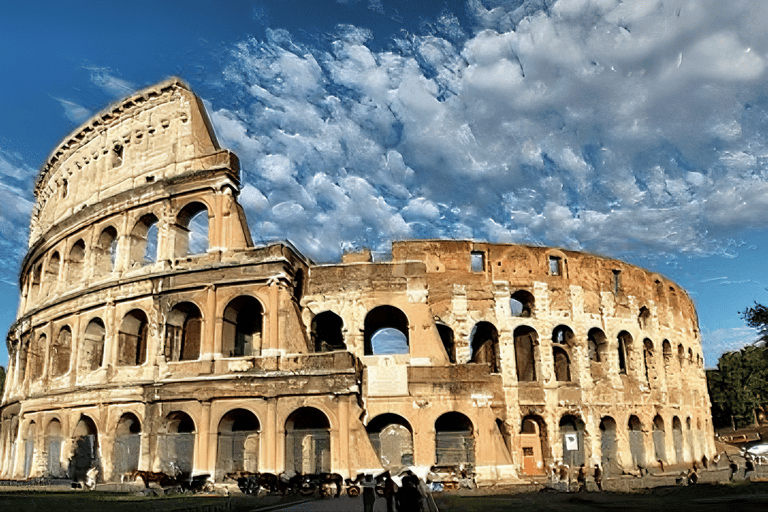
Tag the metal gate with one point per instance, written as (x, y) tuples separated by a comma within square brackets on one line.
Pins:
[(608, 452), (454, 448), (126, 454), (573, 448), (177, 452), (237, 451), (54, 457), (29, 455), (308, 451), (636, 448)]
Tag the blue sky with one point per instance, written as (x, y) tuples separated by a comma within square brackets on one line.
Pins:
[(637, 130)]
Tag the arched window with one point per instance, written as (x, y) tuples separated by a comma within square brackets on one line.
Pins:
[(624, 347), (659, 446), (132, 339), (392, 437), (242, 324), (307, 442), (386, 331), (666, 349), (144, 241), (533, 434), (106, 251), (562, 341), (677, 439), (86, 449), (177, 444), (485, 345), (238, 446), (572, 437), (127, 447), (327, 332), (93, 346), (522, 304), (29, 449), (636, 442), (37, 278), (644, 318), (61, 352), (608, 459), (52, 273), (597, 345), (680, 355), (76, 263), (183, 332), (525, 357), (446, 336), (454, 440), (649, 362), (192, 230), (53, 442), (36, 358)]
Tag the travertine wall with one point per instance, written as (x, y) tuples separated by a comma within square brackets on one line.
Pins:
[(152, 333)]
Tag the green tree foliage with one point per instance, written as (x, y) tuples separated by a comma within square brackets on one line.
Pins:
[(757, 317)]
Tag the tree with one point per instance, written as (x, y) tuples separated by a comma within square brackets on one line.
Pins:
[(739, 386), (757, 318)]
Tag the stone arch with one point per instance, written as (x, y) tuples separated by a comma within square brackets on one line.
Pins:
[(36, 357), (386, 331), (649, 362), (53, 443), (183, 332), (454, 440), (680, 355), (636, 442), (484, 345), (533, 443), (238, 443), (86, 449), (608, 458), (92, 353), (597, 345), (177, 443), (562, 343), (144, 240), (448, 339), (308, 441), (61, 352), (392, 438), (327, 332), (666, 350), (76, 263), (192, 227), (242, 324), (659, 443), (572, 438), (52, 271), (36, 281), (126, 450), (644, 318), (30, 436), (677, 440), (132, 339), (105, 252), (522, 304), (526, 344), (624, 349)]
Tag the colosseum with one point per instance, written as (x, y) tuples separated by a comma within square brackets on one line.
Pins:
[(152, 334)]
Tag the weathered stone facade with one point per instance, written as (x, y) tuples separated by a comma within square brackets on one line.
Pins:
[(152, 333)]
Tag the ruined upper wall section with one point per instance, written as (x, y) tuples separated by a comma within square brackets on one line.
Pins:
[(158, 133)]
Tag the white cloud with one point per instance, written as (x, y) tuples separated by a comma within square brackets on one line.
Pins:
[(113, 85), (74, 112), (716, 342)]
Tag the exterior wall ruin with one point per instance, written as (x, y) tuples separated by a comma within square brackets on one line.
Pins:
[(151, 333)]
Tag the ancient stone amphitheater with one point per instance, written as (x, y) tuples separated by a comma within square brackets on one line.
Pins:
[(152, 334)]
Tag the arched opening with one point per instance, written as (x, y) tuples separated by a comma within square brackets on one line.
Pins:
[(447, 337), (636, 442), (649, 363), (454, 440), (666, 349), (29, 448), (37, 279), (36, 357), (183, 332), (624, 347), (132, 339), (76, 263), (327, 331), (680, 355), (61, 352), (52, 273), (659, 446), (562, 341), (53, 442), (677, 440), (644, 318), (127, 447), (572, 437), (521, 304), (597, 347), (307, 442), (525, 357), (177, 444), (608, 460), (392, 437), (238, 446), (85, 455), (105, 252), (485, 345), (532, 444), (192, 230), (144, 241), (242, 325), (386, 331), (689, 439), (93, 346)]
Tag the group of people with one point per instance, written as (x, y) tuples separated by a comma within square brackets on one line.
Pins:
[(409, 497)]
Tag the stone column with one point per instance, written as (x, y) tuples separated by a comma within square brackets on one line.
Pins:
[(203, 464), (209, 346)]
